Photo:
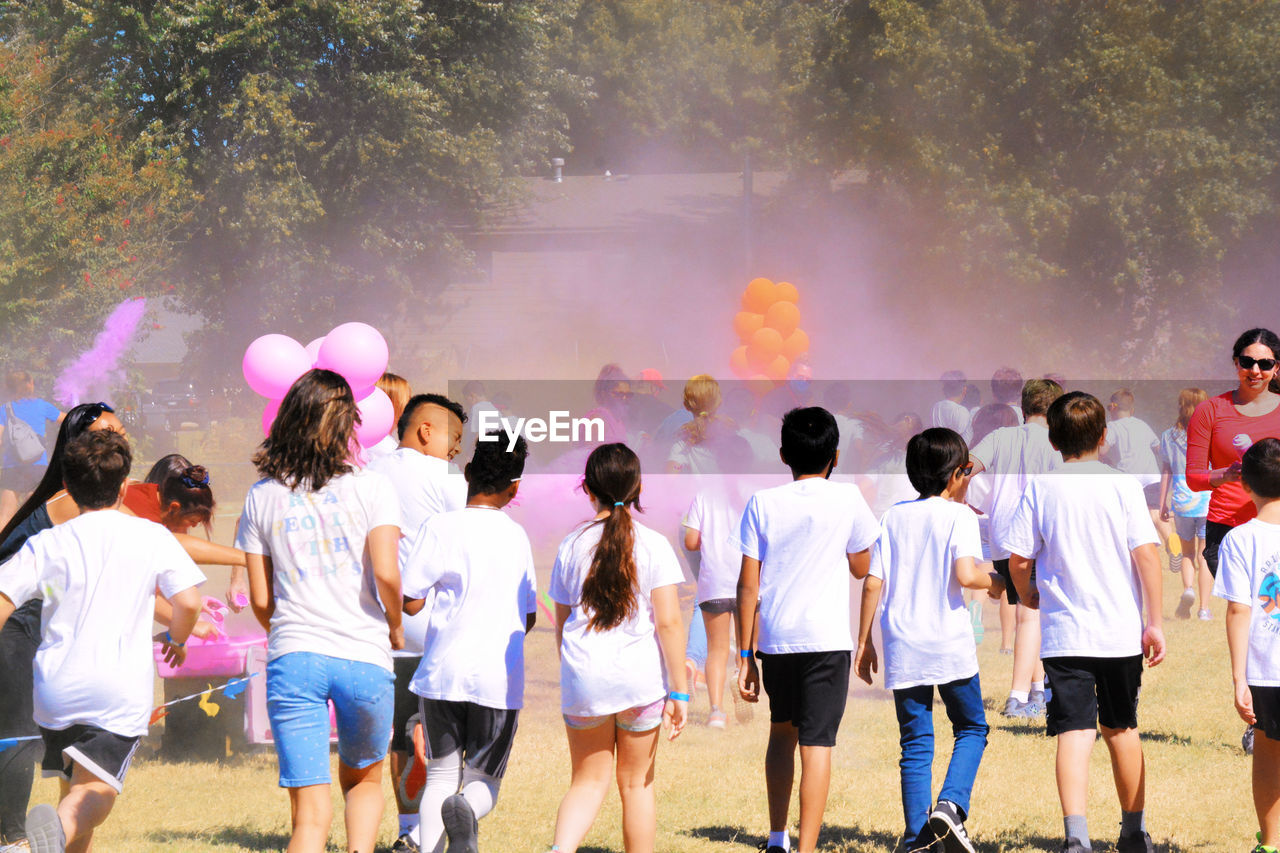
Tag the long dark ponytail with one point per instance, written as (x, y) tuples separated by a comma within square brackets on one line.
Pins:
[(609, 591)]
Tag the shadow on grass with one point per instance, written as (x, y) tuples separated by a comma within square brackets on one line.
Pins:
[(240, 837), (1164, 737)]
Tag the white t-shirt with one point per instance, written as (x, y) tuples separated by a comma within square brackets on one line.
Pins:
[(928, 638), (385, 447), (325, 596), (604, 672), (716, 513), (426, 487), (953, 416), (1011, 456), (1249, 574), (475, 566), (97, 575), (1131, 448), (1080, 523), (801, 533)]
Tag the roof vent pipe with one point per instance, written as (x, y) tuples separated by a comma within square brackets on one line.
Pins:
[(557, 163)]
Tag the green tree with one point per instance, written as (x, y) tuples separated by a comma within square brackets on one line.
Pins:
[(88, 207), (334, 145), (1113, 152), (681, 85)]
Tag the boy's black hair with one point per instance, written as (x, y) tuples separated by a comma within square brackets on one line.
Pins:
[(493, 468), (810, 439), (1077, 423), (94, 468), (419, 400), (932, 457), (1260, 468)]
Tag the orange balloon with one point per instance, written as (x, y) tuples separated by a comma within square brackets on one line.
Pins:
[(738, 363), (778, 368), (745, 323), (786, 292), (759, 295), (796, 344), (783, 316), (765, 346)]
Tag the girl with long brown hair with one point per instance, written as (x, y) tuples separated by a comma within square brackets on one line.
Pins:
[(617, 623), (1187, 509), (306, 529)]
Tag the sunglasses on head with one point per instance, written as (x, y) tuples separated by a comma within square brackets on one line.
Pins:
[(1247, 363), (966, 470)]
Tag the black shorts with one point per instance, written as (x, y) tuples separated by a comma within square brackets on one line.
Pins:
[(1090, 691), (406, 702), (808, 690), (1214, 532), (103, 753), (1152, 494), (1266, 705), (483, 735), (1010, 591)]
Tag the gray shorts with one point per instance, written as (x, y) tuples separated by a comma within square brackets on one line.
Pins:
[(719, 605), (1189, 527)]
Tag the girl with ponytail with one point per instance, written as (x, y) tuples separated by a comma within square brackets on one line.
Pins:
[(690, 453), (618, 627)]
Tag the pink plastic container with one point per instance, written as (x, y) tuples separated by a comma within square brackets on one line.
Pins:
[(224, 656)]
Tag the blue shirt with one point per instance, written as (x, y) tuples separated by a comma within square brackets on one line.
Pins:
[(38, 414)]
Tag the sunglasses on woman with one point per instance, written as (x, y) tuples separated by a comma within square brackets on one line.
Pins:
[(1247, 363)]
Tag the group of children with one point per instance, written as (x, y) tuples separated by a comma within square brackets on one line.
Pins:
[(402, 594)]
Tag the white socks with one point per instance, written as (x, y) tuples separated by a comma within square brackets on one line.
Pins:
[(409, 825), (779, 839)]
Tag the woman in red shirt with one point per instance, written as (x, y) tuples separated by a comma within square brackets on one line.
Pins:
[(1223, 428)]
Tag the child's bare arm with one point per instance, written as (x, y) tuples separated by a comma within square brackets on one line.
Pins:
[(860, 563), (692, 539), (261, 589), (1020, 573), (748, 596), (1147, 560), (1238, 617), (384, 544), (209, 553), (562, 616), (865, 662)]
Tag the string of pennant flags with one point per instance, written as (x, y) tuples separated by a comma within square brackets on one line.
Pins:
[(231, 690)]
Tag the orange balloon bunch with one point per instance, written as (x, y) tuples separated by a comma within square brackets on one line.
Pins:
[(769, 329)]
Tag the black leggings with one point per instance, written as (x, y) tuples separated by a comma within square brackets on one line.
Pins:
[(18, 644), (1213, 534)]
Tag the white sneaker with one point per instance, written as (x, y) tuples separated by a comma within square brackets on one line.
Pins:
[(1185, 602)]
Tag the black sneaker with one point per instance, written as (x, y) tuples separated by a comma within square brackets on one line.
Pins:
[(405, 844), (948, 826), (764, 845), (1135, 842), (460, 825), (1073, 845), (44, 830)]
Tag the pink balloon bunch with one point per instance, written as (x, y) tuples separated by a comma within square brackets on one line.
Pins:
[(355, 351)]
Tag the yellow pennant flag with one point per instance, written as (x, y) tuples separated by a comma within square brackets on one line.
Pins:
[(209, 707)]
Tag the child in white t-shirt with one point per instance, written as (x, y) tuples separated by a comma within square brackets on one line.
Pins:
[(427, 483), (475, 568), (97, 575), (1088, 529), (800, 543), (1011, 456), (320, 538), (617, 624), (927, 555), (1249, 579)]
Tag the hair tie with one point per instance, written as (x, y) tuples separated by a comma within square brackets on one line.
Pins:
[(191, 482), (619, 503), (702, 414)]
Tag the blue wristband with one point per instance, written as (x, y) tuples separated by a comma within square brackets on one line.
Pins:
[(745, 653), (679, 697), (170, 641)]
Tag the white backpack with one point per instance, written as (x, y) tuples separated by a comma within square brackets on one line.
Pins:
[(21, 438)]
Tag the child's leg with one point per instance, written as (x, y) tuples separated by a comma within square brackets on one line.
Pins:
[(591, 758), (963, 701), (779, 772), (1127, 767), (815, 781), (310, 813), (717, 625), (636, 752), (86, 802), (1190, 564), (362, 795), (1204, 580), (1072, 770), (1008, 623), (914, 707), (1026, 649), (444, 775), (1266, 786)]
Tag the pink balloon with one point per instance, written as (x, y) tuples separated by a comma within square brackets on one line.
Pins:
[(377, 417), (269, 413), (356, 351), (313, 350), (273, 363)]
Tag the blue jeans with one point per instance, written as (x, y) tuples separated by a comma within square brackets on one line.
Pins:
[(963, 701)]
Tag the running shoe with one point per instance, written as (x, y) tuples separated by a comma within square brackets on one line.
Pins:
[(405, 844), (1204, 615), (717, 719), (460, 825), (414, 776), (1135, 842), (1185, 603), (975, 618), (946, 823), (1073, 845), (1015, 709), (44, 830)]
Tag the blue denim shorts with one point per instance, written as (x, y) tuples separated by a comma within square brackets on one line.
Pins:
[(299, 687)]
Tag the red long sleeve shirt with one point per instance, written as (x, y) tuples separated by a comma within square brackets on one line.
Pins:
[(1211, 444)]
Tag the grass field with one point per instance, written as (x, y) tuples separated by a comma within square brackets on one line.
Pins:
[(711, 787)]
